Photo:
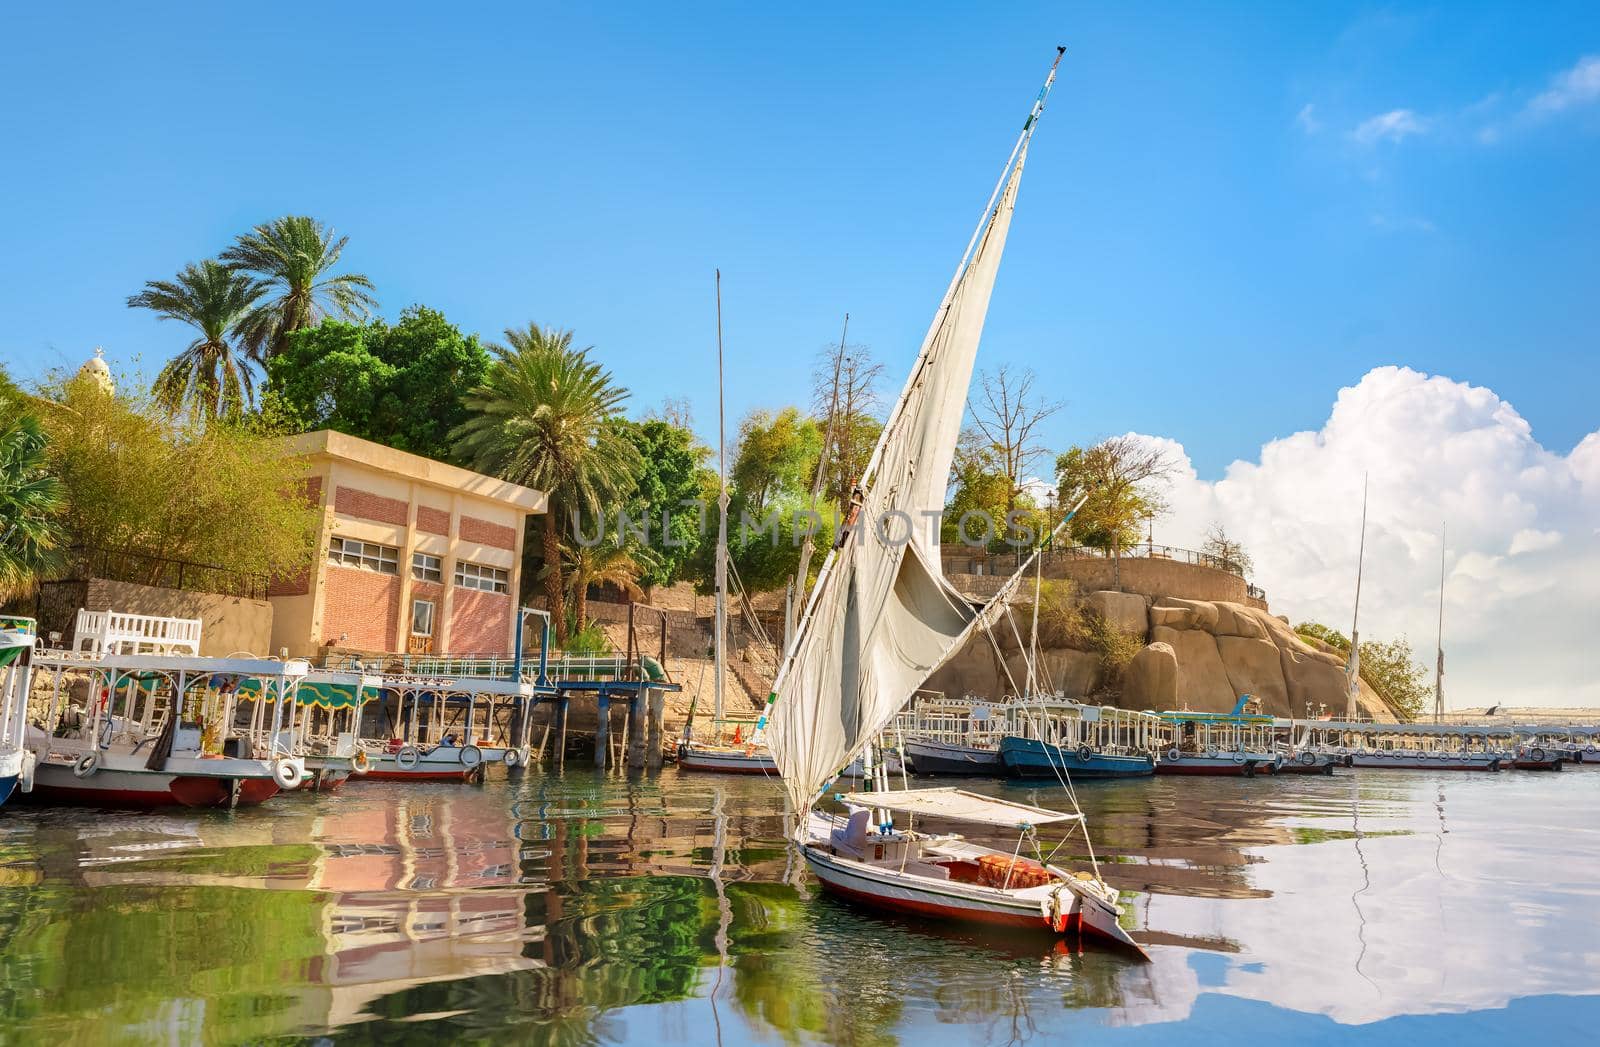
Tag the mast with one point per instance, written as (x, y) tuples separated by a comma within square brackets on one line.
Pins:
[(1353, 666), (1438, 669), (923, 362), (719, 656)]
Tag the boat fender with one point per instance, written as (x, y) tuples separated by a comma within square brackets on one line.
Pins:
[(288, 775), (1173, 755), (512, 757), (407, 757), (1085, 753), (25, 775), (361, 765), (1308, 758), (470, 755), (86, 765)]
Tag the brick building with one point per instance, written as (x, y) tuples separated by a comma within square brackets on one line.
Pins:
[(416, 556)]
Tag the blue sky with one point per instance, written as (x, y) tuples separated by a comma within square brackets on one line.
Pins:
[(1230, 212)]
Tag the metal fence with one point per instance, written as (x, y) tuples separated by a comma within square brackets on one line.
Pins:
[(127, 565), (1006, 563)]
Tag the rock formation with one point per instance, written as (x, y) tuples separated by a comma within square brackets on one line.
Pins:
[(1200, 655)]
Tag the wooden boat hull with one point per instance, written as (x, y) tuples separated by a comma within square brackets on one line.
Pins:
[(939, 758), (1030, 758), (886, 891), (1320, 763), (127, 788), (726, 760), (8, 785), (1219, 766), (443, 763), (1420, 762)]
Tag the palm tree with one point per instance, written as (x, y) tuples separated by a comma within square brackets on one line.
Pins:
[(214, 374), (30, 536), (602, 563), (542, 418), (294, 255)]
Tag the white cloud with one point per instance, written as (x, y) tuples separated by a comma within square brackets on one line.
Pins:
[(1394, 126), (1577, 86), (1523, 591), (1306, 119), (1529, 540)]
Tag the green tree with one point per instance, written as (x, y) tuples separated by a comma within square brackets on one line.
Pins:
[(981, 487), (1389, 668), (398, 385), (606, 562), (777, 456), (543, 417), (295, 255), (214, 375), (31, 538), (1121, 481), (672, 478), (140, 480)]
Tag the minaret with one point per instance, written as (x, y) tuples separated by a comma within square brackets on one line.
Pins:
[(97, 370)]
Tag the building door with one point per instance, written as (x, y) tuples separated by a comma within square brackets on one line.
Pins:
[(421, 639)]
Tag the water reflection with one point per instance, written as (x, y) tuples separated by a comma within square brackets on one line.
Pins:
[(589, 909)]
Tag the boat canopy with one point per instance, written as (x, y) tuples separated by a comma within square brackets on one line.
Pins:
[(959, 805)]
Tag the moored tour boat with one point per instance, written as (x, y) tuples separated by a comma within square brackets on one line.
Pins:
[(17, 641), (725, 759), (947, 759)]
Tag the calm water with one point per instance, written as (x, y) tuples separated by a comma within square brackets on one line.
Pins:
[(583, 909)]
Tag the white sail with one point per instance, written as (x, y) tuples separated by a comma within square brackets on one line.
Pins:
[(882, 615)]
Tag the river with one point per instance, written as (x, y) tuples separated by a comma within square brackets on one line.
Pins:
[(581, 908)]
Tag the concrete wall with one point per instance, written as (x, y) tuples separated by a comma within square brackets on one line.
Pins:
[(229, 624)]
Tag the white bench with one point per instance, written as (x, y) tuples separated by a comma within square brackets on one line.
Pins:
[(118, 632)]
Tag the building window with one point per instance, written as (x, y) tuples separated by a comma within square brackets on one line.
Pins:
[(425, 568), (421, 617), (368, 555), (487, 579)]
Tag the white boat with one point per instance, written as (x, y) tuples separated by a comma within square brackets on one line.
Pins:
[(151, 730), (725, 759), (880, 619), (18, 637), (446, 728)]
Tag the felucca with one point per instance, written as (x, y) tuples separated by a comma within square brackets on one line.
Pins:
[(879, 620)]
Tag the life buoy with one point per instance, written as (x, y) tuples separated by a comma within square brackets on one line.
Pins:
[(470, 756), (361, 764), (1589, 748), (407, 757), (1308, 758), (287, 774), (1238, 757), (1085, 753), (1173, 755), (86, 765), (513, 757), (1537, 754)]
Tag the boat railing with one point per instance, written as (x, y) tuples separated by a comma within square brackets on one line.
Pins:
[(121, 632)]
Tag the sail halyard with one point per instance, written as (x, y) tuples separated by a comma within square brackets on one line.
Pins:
[(882, 616)]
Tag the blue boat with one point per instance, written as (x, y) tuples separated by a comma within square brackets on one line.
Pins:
[(1031, 758)]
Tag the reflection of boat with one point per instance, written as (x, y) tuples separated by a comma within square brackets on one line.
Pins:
[(881, 618), (17, 637)]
